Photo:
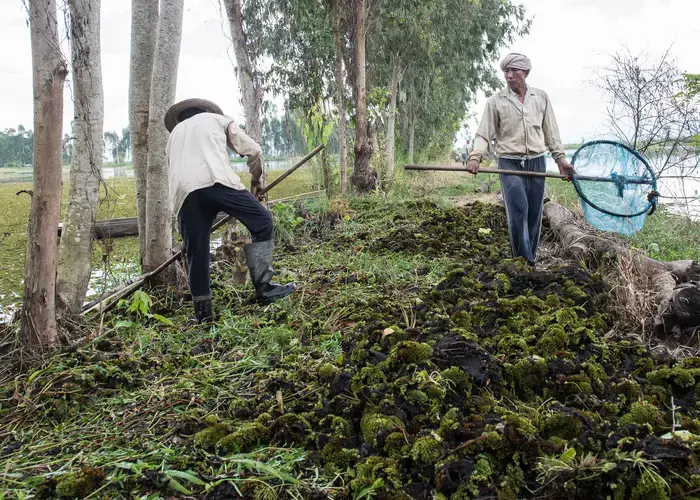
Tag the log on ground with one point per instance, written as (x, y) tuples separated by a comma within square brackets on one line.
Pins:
[(119, 228), (676, 284)]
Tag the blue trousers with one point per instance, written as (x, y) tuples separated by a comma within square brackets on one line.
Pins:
[(523, 198), (196, 217)]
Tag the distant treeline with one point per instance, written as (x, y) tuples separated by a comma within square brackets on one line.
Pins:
[(281, 136), (16, 147)]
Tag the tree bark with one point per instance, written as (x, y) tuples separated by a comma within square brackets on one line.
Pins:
[(411, 137), (159, 233), (250, 93), (677, 305), (49, 73), (340, 100), (75, 251), (391, 121), (144, 23), (362, 178)]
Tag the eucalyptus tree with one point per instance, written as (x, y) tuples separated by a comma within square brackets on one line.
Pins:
[(156, 33), (159, 233), (75, 251), (464, 41), (144, 20), (246, 61), (401, 34), (49, 68)]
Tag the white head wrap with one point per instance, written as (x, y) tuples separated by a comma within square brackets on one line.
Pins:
[(516, 61)]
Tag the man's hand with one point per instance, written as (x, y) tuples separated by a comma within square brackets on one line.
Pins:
[(257, 190), (566, 168), (473, 167)]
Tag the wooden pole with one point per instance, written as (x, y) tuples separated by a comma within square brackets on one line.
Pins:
[(455, 168)]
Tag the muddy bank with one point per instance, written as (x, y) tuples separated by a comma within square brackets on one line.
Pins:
[(416, 361)]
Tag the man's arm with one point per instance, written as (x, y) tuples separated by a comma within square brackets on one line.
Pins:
[(242, 144), (552, 139), (485, 133)]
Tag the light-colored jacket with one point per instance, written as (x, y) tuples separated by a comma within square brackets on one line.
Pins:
[(197, 155), (521, 130)]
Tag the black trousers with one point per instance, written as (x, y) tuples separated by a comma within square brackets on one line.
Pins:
[(196, 218), (523, 198)]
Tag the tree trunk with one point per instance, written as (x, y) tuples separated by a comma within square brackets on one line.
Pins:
[(325, 172), (252, 100), (340, 101), (144, 23), (391, 122), (675, 305), (362, 178), (159, 233), (411, 135), (75, 251), (49, 74)]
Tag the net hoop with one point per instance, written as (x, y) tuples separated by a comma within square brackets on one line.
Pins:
[(653, 195)]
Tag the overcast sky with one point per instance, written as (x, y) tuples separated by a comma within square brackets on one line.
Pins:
[(568, 39)]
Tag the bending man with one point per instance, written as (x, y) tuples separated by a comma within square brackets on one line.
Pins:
[(202, 184), (522, 121)]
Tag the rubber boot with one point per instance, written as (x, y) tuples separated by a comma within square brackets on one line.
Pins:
[(203, 311), (259, 258)]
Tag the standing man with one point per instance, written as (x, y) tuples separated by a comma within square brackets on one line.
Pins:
[(202, 184), (521, 120)]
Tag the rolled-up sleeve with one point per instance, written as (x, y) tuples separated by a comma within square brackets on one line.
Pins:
[(486, 132), (243, 145), (550, 128)]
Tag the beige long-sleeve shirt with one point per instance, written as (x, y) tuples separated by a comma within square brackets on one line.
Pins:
[(197, 155), (526, 129)]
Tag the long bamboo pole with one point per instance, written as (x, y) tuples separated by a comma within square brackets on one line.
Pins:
[(126, 290), (455, 168)]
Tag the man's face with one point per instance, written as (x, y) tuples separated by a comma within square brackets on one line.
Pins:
[(515, 78)]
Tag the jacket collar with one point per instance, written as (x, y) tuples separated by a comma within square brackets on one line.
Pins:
[(506, 92)]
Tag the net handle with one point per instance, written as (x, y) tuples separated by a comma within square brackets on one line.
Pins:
[(653, 196)]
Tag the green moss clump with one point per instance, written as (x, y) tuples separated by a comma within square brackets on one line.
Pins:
[(462, 319), (396, 445), (341, 458), (561, 425), (522, 426), (80, 484), (642, 413), (381, 474), (243, 438), (511, 483), (338, 426), (553, 301), (679, 376), (567, 317), (264, 419), (651, 487), (552, 341), (503, 278), (528, 375), (327, 372), (457, 380), (628, 388), (241, 407), (372, 425), (427, 449), (576, 384), (412, 352), (368, 377), (449, 423), (208, 438)]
